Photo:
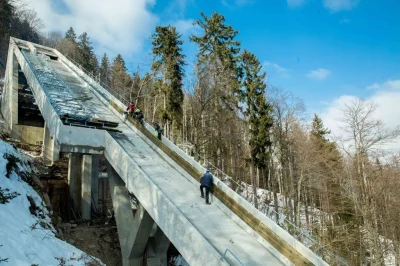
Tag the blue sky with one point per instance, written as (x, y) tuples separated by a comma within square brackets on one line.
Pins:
[(321, 50), (353, 43)]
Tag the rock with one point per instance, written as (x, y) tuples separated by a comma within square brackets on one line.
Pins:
[(46, 199), (93, 246), (60, 234), (71, 241), (107, 239), (64, 226)]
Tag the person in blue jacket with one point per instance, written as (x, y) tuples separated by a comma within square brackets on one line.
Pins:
[(206, 181)]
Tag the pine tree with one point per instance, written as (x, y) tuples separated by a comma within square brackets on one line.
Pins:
[(218, 47), (258, 112), (120, 79), (86, 57), (70, 35), (105, 70), (318, 129), (218, 59), (169, 61)]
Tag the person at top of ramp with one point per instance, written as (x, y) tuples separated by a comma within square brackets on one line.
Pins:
[(131, 109)]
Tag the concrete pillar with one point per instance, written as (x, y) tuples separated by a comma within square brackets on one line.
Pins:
[(47, 152), (86, 189), (13, 102), (95, 181), (133, 230), (51, 149), (74, 181), (157, 248)]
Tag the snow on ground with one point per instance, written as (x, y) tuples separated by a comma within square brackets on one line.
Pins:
[(27, 239), (265, 202), (178, 261)]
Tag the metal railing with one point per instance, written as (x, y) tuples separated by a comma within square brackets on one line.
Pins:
[(113, 92), (300, 234)]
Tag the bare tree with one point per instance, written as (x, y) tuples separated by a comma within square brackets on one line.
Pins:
[(366, 135)]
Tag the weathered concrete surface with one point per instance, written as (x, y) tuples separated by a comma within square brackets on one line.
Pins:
[(28, 134), (133, 230), (51, 150), (95, 181), (86, 188), (157, 248), (74, 181)]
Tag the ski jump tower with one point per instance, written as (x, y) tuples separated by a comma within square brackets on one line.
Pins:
[(48, 99)]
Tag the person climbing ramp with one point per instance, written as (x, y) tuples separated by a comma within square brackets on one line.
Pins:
[(206, 182)]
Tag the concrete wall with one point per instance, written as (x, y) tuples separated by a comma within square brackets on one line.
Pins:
[(28, 134)]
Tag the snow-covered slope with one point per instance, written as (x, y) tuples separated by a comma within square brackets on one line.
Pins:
[(26, 238)]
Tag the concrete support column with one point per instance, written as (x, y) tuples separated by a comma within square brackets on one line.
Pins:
[(157, 248), (51, 149), (86, 189), (74, 181), (95, 181), (133, 230), (13, 102)]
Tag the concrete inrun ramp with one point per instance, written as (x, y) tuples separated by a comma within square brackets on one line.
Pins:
[(159, 175)]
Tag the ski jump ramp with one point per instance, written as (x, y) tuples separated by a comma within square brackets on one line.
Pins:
[(162, 177)]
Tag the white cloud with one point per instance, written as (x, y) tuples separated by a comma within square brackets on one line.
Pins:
[(284, 72), (177, 8), (386, 97), (338, 5), (295, 3), (388, 85), (185, 26), (319, 74), (119, 26)]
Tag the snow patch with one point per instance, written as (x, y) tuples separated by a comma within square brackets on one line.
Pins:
[(25, 238)]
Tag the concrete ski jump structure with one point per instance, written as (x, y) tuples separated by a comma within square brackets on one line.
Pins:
[(160, 176)]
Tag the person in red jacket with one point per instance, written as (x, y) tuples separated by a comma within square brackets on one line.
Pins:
[(130, 109)]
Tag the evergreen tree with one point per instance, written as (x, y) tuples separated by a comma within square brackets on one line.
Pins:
[(318, 130), (218, 60), (104, 70), (169, 60), (258, 111), (86, 57), (218, 47), (120, 79), (70, 35)]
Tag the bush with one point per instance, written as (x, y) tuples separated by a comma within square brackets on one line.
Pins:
[(6, 196), (12, 163)]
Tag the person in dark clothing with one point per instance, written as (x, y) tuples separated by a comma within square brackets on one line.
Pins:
[(131, 109), (139, 115), (157, 130), (206, 181)]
